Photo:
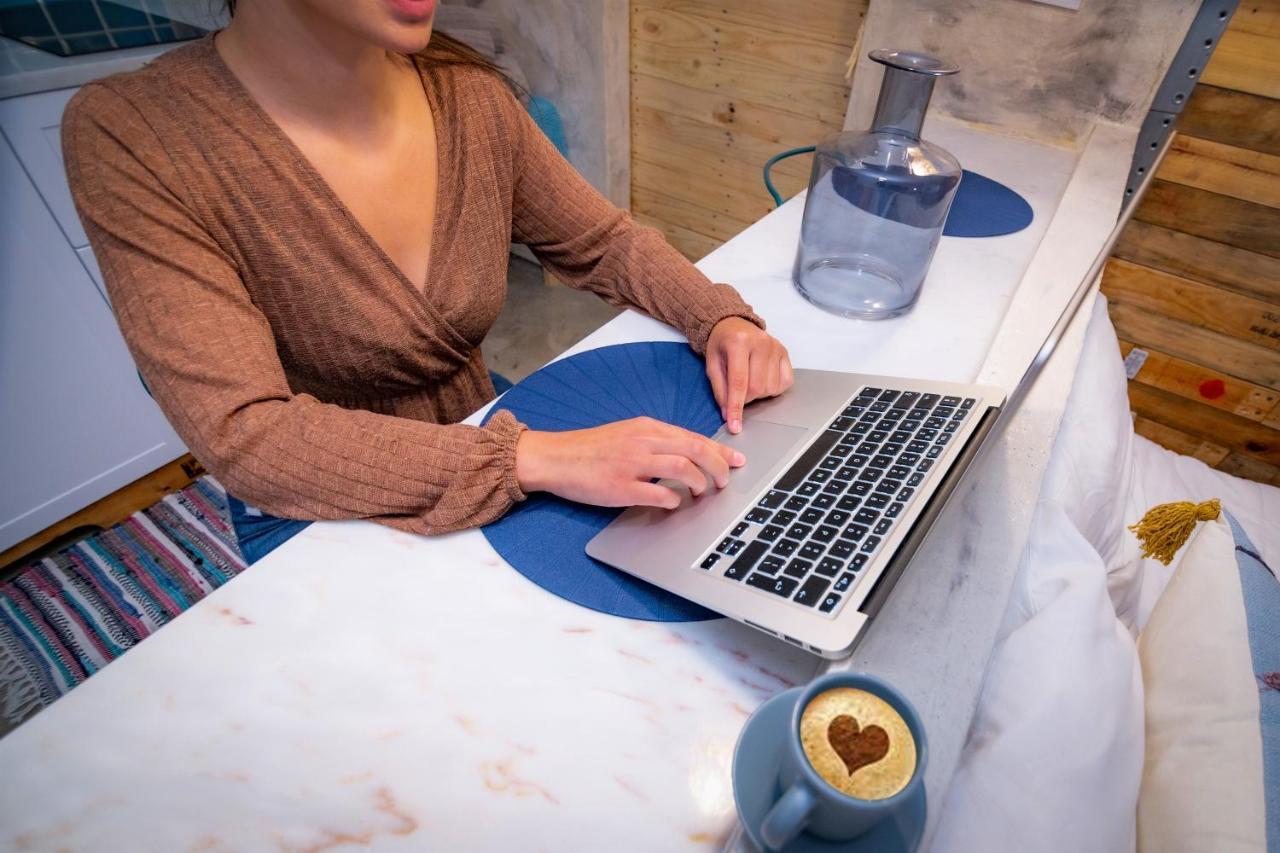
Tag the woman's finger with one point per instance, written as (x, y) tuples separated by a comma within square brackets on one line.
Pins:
[(739, 369), (715, 374), (712, 457), (775, 374), (671, 467), (641, 493)]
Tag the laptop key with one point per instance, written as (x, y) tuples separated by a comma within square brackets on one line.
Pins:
[(841, 549), (870, 475), (796, 503), (917, 415), (799, 531), (820, 447), (854, 532), (879, 407), (829, 603), (784, 517), (950, 401), (944, 411), (925, 465), (877, 435), (870, 392), (848, 472), (859, 488), (812, 591), (773, 500), (935, 423), (888, 395), (807, 489), (906, 493), (840, 451), (843, 424), (870, 544), (860, 429), (888, 487), (833, 488), (846, 581), (770, 533), (866, 516), (783, 586), (900, 437), (748, 558), (811, 516), (833, 461), (824, 500), (785, 547), (877, 501), (711, 560), (927, 401), (917, 446), (951, 426), (894, 510), (811, 550), (942, 439), (829, 567), (909, 458), (968, 403), (797, 568), (725, 544), (906, 399), (893, 448), (882, 461), (758, 516), (837, 517), (926, 434), (771, 564), (825, 533), (819, 476), (915, 479), (848, 503), (899, 472), (935, 451), (882, 527), (739, 528)]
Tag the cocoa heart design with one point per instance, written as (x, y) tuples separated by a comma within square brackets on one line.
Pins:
[(857, 747)]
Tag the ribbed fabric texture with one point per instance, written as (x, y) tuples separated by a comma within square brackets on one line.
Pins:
[(289, 352)]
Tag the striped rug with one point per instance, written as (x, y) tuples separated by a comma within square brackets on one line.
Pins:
[(66, 616)]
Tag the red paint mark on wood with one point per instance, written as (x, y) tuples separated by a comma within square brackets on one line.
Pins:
[(1212, 389)]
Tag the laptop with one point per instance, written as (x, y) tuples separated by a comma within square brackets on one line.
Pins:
[(844, 475)]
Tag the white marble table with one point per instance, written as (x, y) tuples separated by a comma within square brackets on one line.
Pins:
[(365, 687)]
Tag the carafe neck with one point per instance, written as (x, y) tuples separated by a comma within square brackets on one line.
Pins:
[(904, 98)]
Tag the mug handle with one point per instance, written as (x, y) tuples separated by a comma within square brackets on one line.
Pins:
[(788, 816)]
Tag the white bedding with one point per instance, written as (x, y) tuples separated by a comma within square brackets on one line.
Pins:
[(1055, 753)]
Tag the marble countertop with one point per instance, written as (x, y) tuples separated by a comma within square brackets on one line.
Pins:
[(362, 686)]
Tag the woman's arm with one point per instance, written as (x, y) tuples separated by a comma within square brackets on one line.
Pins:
[(209, 357), (592, 245)]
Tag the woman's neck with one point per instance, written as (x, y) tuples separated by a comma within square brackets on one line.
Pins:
[(300, 66)]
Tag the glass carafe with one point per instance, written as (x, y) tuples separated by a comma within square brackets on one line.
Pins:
[(878, 200)]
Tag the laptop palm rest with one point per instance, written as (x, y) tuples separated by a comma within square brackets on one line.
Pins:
[(676, 537)]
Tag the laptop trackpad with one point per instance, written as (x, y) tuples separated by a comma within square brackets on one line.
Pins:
[(666, 538)]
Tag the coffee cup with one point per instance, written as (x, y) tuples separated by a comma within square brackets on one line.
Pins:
[(856, 759)]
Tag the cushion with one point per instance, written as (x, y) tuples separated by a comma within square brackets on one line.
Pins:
[(1262, 612), (1054, 755), (1202, 783)]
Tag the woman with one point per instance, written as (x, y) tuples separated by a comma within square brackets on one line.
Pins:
[(303, 223)]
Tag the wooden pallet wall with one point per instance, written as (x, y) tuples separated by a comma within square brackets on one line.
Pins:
[(719, 87), (1195, 279)]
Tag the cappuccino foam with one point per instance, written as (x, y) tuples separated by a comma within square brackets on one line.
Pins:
[(858, 743)]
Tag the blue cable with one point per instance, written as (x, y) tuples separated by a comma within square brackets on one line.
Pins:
[(768, 183)]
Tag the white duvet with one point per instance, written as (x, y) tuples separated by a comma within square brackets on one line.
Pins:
[(1054, 757)]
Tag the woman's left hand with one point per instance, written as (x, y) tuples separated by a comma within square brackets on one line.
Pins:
[(744, 363)]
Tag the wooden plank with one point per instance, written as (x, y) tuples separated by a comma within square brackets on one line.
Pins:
[(1203, 384), (1239, 435), (1250, 469), (726, 112), (1260, 16), (701, 190), (1197, 345), (1216, 217), (668, 129), (691, 244), (1233, 118), (108, 511), (784, 72), (1179, 442), (1204, 305), (1246, 62), (1244, 272), (834, 22), (1226, 169), (661, 206), (710, 175)]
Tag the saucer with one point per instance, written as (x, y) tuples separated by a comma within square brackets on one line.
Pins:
[(756, 762)]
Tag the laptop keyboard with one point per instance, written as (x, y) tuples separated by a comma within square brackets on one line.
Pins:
[(812, 533)]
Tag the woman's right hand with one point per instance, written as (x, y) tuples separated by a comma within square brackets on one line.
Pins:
[(613, 465)]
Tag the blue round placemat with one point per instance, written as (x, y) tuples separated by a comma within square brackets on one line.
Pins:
[(986, 208), (545, 537)]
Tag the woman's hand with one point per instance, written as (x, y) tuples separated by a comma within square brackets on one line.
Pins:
[(745, 363), (612, 465)]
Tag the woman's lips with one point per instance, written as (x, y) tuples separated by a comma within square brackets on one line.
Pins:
[(413, 10)]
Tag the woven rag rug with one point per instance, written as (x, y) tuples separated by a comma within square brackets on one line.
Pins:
[(66, 616)]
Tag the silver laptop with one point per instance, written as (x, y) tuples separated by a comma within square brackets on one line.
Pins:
[(844, 475)]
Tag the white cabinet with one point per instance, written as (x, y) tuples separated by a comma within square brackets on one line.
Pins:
[(76, 422)]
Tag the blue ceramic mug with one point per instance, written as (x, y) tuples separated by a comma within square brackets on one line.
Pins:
[(808, 802)]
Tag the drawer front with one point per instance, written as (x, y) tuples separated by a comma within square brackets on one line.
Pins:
[(33, 126)]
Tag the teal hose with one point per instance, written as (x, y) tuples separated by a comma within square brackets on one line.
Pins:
[(768, 182)]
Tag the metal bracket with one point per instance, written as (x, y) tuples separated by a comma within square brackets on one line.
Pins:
[(1188, 63)]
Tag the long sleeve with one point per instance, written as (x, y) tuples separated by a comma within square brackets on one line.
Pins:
[(592, 245), (209, 357)]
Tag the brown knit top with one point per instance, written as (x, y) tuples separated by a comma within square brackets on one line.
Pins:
[(285, 347)]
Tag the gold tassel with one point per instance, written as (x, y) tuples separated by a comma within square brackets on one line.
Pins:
[(1166, 528)]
